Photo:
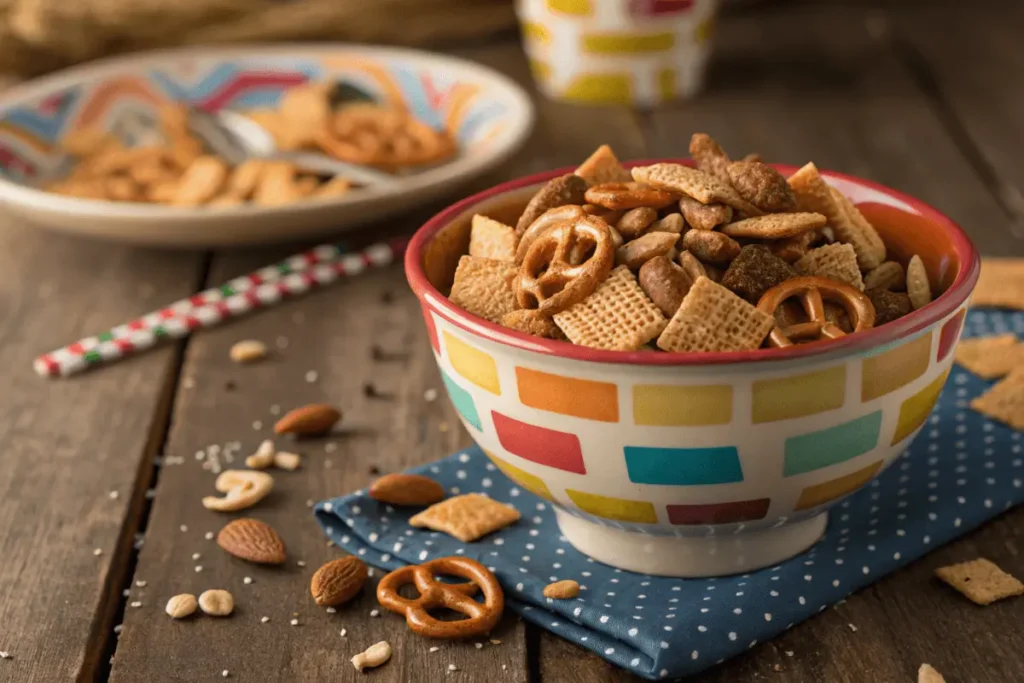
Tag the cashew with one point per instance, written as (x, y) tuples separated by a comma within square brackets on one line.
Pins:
[(243, 488), (287, 461), (216, 602), (263, 457), (374, 656), (180, 606)]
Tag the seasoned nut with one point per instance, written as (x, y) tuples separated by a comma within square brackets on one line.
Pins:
[(888, 305), (691, 265), (243, 488), (181, 606), (704, 216), (888, 275), (670, 223), (711, 246), (755, 271), (762, 186), (247, 351), (263, 457), (566, 189), (638, 252), (562, 590), (635, 221), (287, 461), (374, 656), (216, 602), (665, 283)]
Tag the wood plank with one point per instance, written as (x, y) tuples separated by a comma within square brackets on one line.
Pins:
[(823, 88), (333, 333), (68, 444)]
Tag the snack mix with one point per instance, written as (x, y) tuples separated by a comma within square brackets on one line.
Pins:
[(727, 256), (179, 171)]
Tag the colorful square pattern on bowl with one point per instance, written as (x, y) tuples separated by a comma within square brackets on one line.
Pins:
[(472, 363), (786, 398), (822, 493), (719, 513), (812, 451), (914, 410), (950, 333), (666, 405), (885, 372), (560, 450), (635, 511), (683, 466), (462, 400), (531, 483), (568, 396)]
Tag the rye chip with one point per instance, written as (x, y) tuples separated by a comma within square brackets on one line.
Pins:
[(618, 316), (755, 271), (888, 305), (701, 186), (491, 239), (814, 194), (836, 261), (981, 581), (990, 357), (603, 167), (775, 226), (484, 287), (711, 318), (466, 517)]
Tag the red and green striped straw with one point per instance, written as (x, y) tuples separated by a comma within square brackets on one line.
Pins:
[(260, 289)]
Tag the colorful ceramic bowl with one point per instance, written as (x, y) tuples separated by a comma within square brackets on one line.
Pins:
[(487, 114), (686, 464)]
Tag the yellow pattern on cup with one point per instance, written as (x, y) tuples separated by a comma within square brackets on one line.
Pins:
[(637, 511), (610, 88), (799, 395), (888, 371), (535, 31), (705, 30), (666, 405), (530, 482), (819, 494), (581, 8), (667, 84), (472, 363), (915, 410), (541, 70), (627, 43)]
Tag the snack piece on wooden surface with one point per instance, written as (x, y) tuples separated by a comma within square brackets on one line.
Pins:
[(466, 517), (981, 581)]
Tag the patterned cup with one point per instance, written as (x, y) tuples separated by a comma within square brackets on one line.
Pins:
[(634, 52), (685, 464)]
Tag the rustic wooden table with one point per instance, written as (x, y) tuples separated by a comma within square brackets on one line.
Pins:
[(926, 100)]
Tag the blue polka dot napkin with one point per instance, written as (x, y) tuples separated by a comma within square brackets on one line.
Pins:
[(960, 471)]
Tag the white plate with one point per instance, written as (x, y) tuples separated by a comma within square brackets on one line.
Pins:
[(488, 114)]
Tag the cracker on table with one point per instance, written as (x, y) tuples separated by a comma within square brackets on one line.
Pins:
[(492, 239), (814, 194), (603, 167), (483, 287), (775, 226), (981, 581), (1001, 284), (1004, 401), (990, 357), (836, 261), (703, 187), (712, 318), (466, 517), (927, 674), (617, 316), (918, 288)]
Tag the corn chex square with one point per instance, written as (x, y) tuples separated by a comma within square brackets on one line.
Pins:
[(991, 357), (618, 316), (981, 580), (836, 261), (484, 287), (466, 517), (492, 239), (712, 318)]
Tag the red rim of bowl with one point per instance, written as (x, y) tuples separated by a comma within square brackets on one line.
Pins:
[(953, 297)]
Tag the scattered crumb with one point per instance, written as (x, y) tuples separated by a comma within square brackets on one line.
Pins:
[(442, 427), (118, 628), (200, 455), (126, 592), (331, 610), (150, 494), (225, 673), (4, 654), (140, 584), (97, 551), (430, 395), (328, 464), (343, 632), (789, 653), (199, 568), (275, 409), (478, 645), (330, 447), (435, 648), (247, 580), (778, 667), (264, 620), (504, 666), (294, 622), (114, 495), (852, 627), (188, 383), (374, 470), (375, 613), (208, 536), (311, 376), (452, 667), (495, 641), (196, 556), (301, 563), (282, 342), (136, 604), (257, 425)]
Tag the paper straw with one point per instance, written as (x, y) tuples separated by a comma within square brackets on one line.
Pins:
[(260, 289)]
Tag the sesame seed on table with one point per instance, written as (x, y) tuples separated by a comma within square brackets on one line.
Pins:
[(99, 537)]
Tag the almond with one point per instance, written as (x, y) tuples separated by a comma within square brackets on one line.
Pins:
[(338, 581), (309, 420), (252, 540), (406, 489), (562, 590)]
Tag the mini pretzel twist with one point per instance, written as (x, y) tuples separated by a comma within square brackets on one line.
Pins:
[(811, 292), (480, 617), (550, 280)]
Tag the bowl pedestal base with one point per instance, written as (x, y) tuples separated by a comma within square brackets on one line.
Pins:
[(692, 556)]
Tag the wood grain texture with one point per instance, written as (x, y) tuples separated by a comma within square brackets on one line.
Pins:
[(66, 444), (332, 333)]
